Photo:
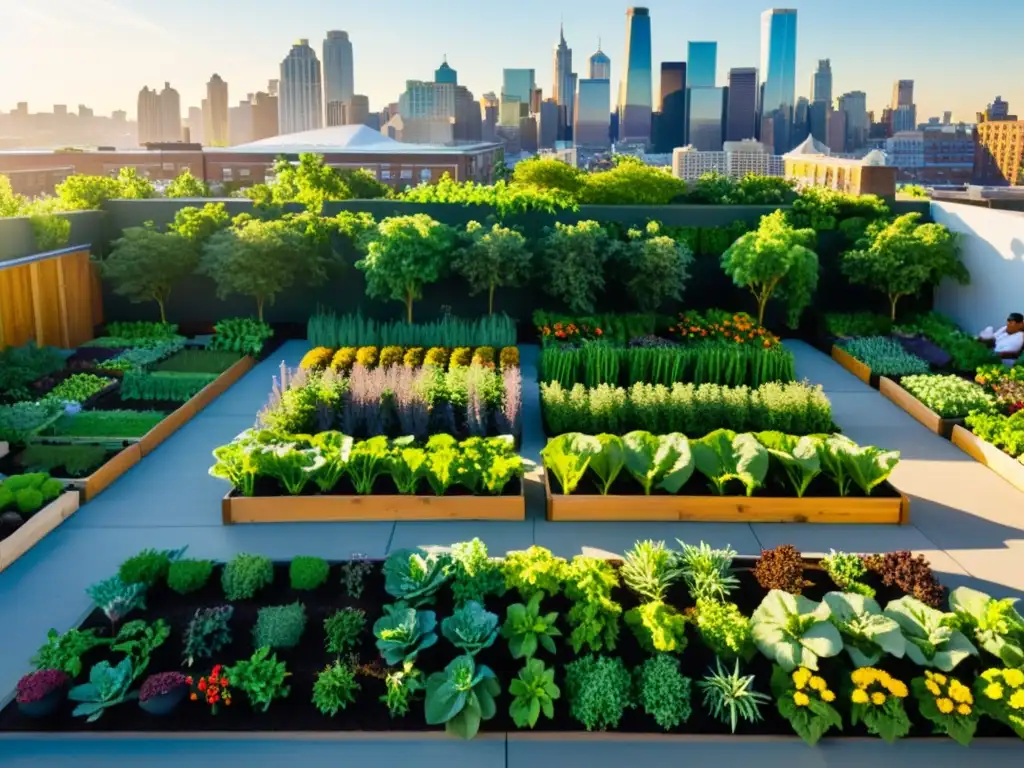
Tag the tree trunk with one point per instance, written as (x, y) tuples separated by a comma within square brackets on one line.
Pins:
[(259, 308), (892, 306), (490, 301), (163, 314), (762, 303), (408, 307)]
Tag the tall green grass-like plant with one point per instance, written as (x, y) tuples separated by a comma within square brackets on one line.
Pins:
[(326, 329)]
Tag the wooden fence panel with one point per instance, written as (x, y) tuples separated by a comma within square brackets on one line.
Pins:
[(48, 298)]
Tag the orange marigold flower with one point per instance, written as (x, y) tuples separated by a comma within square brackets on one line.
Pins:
[(193, 697)]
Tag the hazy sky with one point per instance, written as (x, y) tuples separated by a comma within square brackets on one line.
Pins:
[(101, 52)]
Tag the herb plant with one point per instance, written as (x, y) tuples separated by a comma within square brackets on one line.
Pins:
[(244, 575), (262, 677), (308, 573), (402, 632), (471, 628), (354, 573), (658, 627), (461, 697), (707, 572), (533, 691), (730, 696), (149, 567), (475, 576), (885, 356), (663, 692), (781, 568), (951, 397), (64, 652), (599, 689), (794, 631), (107, 687), (877, 701), (594, 616), (342, 630), (846, 570), (724, 629), (137, 640), (401, 686), (208, 633), (994, 624), (188, 576), (534, 570), (279, 626), (526, 628), (335, 688), (805, 700)]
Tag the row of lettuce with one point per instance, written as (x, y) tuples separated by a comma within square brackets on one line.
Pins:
[(559, 654)]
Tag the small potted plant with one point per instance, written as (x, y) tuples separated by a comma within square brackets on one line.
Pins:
[(39, 693), (163, 692)]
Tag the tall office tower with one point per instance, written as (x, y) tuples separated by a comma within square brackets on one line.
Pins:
[(636, 92), (902, 93), (701, 63), (300, 100), (801, 121), (821, 83), (196, 135), (535, 100), (549, 120), (149, 116), (592, 121), (240, 122), (600, 65), (468, 124), (517, 88), (273, 86), (777, 95), (217, 102), (836, 130), (854, 107), (904, 111), (947, 118), (357, 110), (741, 111), (489, 108), (564, 92), (338, 75), (159, 115), (170, 114), (445, 74), (264, 116), (671, 125)]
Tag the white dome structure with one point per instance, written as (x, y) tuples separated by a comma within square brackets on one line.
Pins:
[(875, 157), (809, 147)]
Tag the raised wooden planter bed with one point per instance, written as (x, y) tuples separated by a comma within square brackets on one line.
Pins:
[(917, 409), (892, 510), (36, 527), (852, 364), (93, 485), (323, 509), (1004, 465)]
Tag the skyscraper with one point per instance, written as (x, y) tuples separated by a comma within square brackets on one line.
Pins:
[(904, 111), (517, 88), (592, 122), (217, 104), (853, 105), (564, 92), (338, 74), (264, 116), (195, 125), (170, 114), (600, 65), (159, 115), (548, 122), (821, 83), (670, 128), (778, 78), (300, 101), (701, 63), (902, 93), (636, 90), (741, 112), (445, 74)]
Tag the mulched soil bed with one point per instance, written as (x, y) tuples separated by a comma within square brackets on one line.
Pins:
[(296, 713)]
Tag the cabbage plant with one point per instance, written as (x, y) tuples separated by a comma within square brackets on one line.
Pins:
[(723, 456), (996, 625), (867, 633), (414, 575), (794, 631), (931, 639)]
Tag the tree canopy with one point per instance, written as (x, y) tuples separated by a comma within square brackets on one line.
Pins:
[(902, 256), (197, 225), (548, 173), (574, 259), (187, 185), (657, 266), (145, 265), (493, 257), (632, 183)]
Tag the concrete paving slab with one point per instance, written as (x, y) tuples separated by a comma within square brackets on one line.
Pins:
[(817, 540), (499, 536), (569, 539)]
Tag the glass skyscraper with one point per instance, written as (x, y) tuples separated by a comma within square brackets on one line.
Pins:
[(778, 78), (706, 109), (701, 61), (517, 86), (593, 114), (635, 90)]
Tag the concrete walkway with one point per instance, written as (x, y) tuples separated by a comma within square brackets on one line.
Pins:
[(968, 521)]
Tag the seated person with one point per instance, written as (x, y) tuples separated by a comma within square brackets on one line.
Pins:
[(1008, 341)]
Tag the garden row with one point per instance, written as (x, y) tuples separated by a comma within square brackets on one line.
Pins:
[(691, 640), (76, 422)]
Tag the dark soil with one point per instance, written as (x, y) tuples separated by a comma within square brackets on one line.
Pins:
[(296, 713)]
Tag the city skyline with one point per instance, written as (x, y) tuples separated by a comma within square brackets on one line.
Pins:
[(101, 34)]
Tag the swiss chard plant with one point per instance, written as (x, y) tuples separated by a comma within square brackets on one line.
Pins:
[(995, 624), (932, 640), (867, 633), (293, 467), (461, 697), (794, 631), (237, 464), (662, 461), (415, 575), (402, 632), (471, 628), (527, 629), (108, 686), (723, 456), (797, 456), (568, 456)]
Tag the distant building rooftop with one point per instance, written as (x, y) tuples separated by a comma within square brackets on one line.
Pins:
[(359, 139)]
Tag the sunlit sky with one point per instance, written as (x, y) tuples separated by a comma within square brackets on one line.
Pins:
[(101, 52)]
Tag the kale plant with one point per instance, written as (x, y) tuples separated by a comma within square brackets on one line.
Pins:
[(471, 628), (402, 632), (107, 687), (533, 571), (117, 599), (414, 575), (658, 627), (208, 633)]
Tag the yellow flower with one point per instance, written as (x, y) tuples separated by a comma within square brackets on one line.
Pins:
[(883, 677), (818, 684), (859, 697), (929, 675), (933, 689), (1014, 677), (863, 677), (897, 688), (801, 699), (828, 696), (991, 674), (1017, 700), (800, 677), (994, 691), (939, 678), (960, 693), (878, 698), (963, 709), (945, 706)]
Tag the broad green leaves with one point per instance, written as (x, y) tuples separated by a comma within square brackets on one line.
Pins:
[(794, 631)]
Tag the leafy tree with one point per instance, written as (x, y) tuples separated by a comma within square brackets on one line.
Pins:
[(548, 173), (363, 185), (631, 182), (503, 197), (824, 209), (901, 257), (87, 193), (133, 186), (715, 189), (50, 232), (493, 258), (11, 203), (658, 266), (262, 258), (197, 225), (403, 255), (775, 260), (574, 257), (187, 185), (309, 182), (145, 265)]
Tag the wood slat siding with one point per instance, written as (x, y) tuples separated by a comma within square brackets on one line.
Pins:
[(52, 301)]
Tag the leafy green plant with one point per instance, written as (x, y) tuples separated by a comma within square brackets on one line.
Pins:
[(402, 632), (568, 456), (239, 335), (475, 576), (78, 387), (343, 628), (146, 265), (594, 616), (534, 570), (526, 628), (951, 397), (866, 466), (207, 633), (730, 696), (308, 573), (401, 686), (117, 599), (806, 701), (149, 567), (188, 576), (664, 460), (138, 639), (262, 677), (173, 386), (649, 569), (471, 628), (846, 570), (107, 687), (911, 573), (65, 651), (461, 697), (574, 259), (279, 626), (724, 629), (707, 572), (599, 689), (20, 421), (663, 692), (658, 627), (20, 366), (851, 324), (198, 361), (244, 575), (867, 633), (723, 456), (415, 575), (885, 356), (798, 457), (105, 424), (75, 460), (995, 624), (533, 691), (931, 639), (335, 688), (794, 631), (1004, 432)]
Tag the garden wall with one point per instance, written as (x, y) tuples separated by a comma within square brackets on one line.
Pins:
[(16, 239), (992, 249), (196, 302)]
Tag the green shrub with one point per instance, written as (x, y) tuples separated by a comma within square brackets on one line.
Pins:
[(599, 690), (533, 571), (853, 324), (1004, 432), (885, 356), (279, 626), (245, 575), (262, 677), (475, 575), (241, 335), (187, 576), (20, 421), (308, 573), (164, 385), (208, 633), (126, 424), (198, 361), (663, 692), (76, 460), (342, 630), (335, 688), (78, 387), (140, 329), (949, 396), (149, 567), (28, 493), (20, 366)]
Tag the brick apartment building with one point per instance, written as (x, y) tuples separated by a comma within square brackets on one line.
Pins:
[(999, 152), (352, 146)]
